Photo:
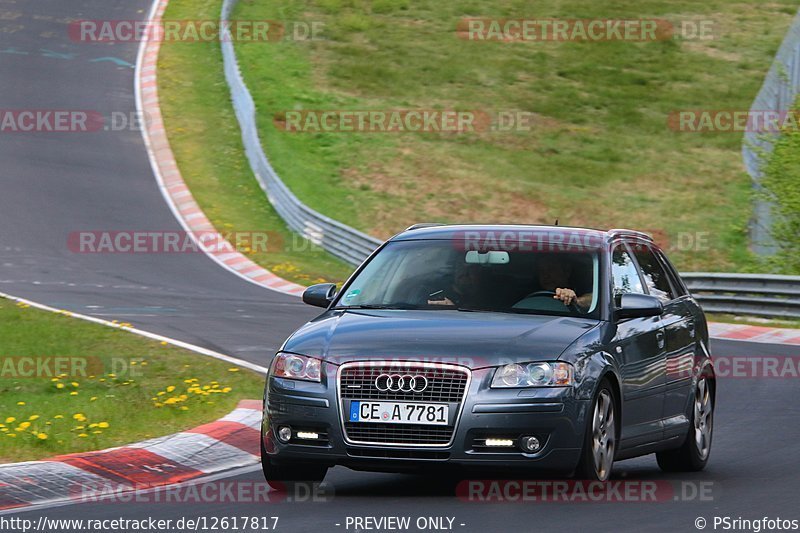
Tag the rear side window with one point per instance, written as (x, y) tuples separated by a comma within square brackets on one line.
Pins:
[(654, 274), (624, 274)]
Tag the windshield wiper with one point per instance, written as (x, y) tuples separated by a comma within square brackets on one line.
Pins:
[(376, 306)]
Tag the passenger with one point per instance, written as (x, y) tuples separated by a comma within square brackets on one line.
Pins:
[(466, 289)]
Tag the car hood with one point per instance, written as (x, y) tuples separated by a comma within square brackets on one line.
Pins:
[(473, 339)]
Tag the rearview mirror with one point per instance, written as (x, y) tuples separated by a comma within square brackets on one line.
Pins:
[(320, 295), (638, 306), (492, 257)]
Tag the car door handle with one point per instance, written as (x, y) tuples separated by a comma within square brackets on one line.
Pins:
[(660, 339)]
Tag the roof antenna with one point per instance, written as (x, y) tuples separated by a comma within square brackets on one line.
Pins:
[(556, 223)]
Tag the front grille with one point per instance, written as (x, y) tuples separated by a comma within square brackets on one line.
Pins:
[(398, 433), (446, 384)]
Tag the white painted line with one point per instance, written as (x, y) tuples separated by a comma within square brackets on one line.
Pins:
[(154, 336)]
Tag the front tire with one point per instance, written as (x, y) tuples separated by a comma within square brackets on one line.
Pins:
[(600, 443), (693, 455)]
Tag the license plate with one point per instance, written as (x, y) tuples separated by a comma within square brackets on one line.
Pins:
[(433, 414)]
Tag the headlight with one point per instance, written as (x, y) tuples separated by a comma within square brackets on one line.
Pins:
[(533, 375), (292, 366)]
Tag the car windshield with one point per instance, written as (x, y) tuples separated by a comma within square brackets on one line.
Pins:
[(446, 275)]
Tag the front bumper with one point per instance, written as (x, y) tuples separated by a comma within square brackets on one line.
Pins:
[(553, 415)]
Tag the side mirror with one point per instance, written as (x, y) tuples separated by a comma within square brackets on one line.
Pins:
[(638, 306), (320, 295)]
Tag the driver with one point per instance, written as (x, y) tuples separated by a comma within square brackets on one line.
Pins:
[(554, 275)]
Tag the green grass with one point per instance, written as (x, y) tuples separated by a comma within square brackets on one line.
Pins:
[(754, 321), (600, 153), (206, 141), (780, 181), (118, 380)]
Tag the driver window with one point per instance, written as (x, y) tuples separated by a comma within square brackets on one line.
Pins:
[(624, 274)]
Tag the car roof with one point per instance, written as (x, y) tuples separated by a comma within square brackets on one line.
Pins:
[(458, 231)]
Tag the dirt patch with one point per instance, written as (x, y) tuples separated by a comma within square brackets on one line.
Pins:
[(417, 188)]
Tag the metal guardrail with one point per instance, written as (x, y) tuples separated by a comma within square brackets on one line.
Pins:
[(778, 93), (746, 294), (342, 241)]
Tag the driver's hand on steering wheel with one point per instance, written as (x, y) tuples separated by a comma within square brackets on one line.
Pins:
[(444, 301), (567, 296)]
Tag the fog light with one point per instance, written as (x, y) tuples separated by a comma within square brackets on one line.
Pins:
[(499, 443), (308, 435), (529, 444), (285, 433)]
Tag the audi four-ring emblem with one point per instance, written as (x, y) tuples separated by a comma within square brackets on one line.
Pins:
[(397, 383)]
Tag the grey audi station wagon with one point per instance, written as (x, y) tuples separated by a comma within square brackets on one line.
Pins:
[(516, 348)]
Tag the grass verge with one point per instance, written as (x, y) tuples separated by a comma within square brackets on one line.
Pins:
[(95, 387), (754, 320), (780, 181)]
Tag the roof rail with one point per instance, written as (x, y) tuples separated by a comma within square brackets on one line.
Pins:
[(424, 225), (621, 232)]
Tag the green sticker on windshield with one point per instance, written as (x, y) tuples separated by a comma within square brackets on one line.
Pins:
[(354, 292)]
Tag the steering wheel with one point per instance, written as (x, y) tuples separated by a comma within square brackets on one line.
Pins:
[(539, 294)]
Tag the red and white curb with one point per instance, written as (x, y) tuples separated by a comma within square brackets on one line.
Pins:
[(168, 175), (230, 442), (741, 332)]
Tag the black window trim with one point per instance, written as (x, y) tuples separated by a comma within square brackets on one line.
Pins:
[(635, 263)]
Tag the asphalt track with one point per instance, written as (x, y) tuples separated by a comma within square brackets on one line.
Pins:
[(52, 184)]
